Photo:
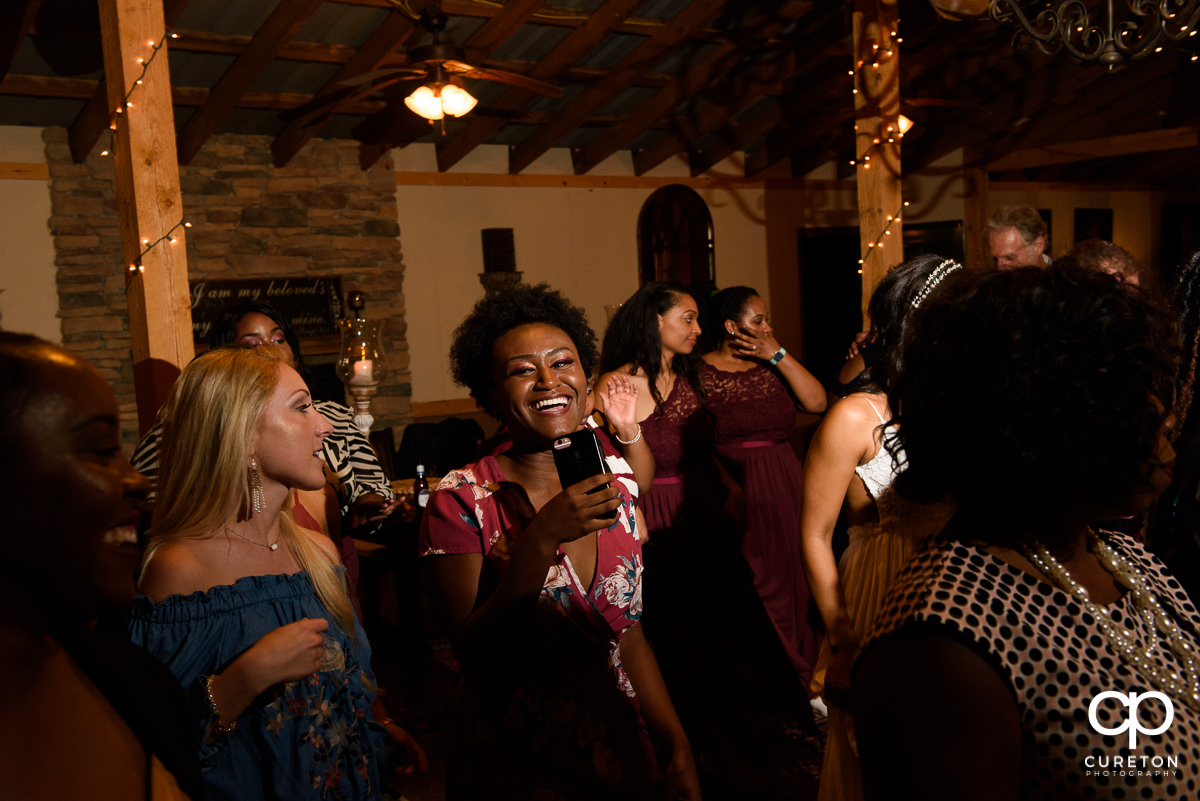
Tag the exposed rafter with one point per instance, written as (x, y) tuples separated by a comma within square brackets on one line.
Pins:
[(567, 53), (284, 23), (688, 84), (693, 18), (370, 56)]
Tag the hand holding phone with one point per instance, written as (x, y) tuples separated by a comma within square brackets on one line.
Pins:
[(578, 456)]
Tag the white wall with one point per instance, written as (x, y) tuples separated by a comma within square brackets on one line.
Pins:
[(582, 241), (29, 300)]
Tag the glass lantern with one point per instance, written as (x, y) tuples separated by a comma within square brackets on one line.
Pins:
[(361, 363)]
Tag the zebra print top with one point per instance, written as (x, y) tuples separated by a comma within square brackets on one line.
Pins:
[(347, 452)]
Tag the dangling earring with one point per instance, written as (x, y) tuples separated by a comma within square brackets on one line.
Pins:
[(258, 500)]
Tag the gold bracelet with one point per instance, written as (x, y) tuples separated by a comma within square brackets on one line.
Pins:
[(212, 704)]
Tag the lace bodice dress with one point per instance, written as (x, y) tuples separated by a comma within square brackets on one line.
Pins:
[(720, 658), (754, 414)]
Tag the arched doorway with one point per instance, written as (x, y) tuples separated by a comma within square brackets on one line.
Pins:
[(675, 239)]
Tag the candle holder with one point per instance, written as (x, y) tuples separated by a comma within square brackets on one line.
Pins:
[(361, 364)]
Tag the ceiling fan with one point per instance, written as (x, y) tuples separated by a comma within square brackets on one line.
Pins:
[(440, 68)]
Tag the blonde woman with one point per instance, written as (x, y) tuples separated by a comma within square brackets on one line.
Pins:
[(248, 610)]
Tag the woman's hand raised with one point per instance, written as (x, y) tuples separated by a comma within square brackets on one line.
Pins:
[(620, 405), (747, 345)]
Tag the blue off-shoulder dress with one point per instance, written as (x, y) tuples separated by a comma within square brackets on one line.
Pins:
[(308, 739)]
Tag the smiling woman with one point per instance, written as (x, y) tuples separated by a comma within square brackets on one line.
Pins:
[(242, 604), (71, 503), (539, 586)]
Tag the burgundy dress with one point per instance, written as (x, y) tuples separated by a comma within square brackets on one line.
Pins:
[(754, 414), (722, 662)]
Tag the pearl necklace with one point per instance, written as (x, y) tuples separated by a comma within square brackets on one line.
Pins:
[(270, 547), (1138, 644)]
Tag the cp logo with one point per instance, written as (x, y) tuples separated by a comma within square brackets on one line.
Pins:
[(1132, 724)]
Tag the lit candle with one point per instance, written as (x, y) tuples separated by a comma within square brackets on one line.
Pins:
[(364, 372)]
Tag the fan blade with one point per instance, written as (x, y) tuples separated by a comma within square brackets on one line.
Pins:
[(367, 77), (457, 66), (514, 79), (349, 95)]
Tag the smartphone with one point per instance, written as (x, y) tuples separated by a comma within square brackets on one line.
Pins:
[(578, 456)]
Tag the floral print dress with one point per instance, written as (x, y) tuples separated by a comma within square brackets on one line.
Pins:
[(309, 739), (549, 712)]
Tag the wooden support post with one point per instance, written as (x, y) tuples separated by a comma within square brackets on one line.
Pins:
[(975, 189), (149, 203), (877, 139)]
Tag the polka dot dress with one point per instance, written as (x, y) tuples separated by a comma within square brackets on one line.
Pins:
[(1056, 659)]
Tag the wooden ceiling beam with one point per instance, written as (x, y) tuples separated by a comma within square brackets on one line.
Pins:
[(1002, 113), (813, 80), (229, 45), (497, 30), (821, 102), (393, 31), (835, 144), (393, 127), (692, 18), (16, 18), (1068, 117), (321, 53), (81, 89), (85, 130), (280, 28), (693, 127), (686, 86), (1104, 147), (575, 46), (562, 17), (735, 137)]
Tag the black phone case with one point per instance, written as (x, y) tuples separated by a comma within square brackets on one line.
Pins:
[(578, 456)]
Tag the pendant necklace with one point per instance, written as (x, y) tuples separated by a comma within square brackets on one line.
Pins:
[(271, 547)]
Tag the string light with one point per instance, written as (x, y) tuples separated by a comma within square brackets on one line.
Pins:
[(125, 104), (137, 266), (887, 231), (890, 39)]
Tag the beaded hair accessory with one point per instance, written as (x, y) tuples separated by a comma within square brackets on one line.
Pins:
[(936, 277)]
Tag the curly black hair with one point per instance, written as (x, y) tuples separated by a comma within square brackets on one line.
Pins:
[(728, 304), (1023, 391), (495, 315)]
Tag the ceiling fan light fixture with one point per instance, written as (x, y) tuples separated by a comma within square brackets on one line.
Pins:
[(425, 102), (456, 101)]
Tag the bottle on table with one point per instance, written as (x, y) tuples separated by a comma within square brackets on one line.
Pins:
[(421, 488)]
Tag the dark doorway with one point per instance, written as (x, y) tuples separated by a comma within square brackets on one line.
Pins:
[(831, 285), (831, 289), (1180, 238), (938, 238), (675, 239)]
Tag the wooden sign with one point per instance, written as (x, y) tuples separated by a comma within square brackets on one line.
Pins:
[(312, 305)]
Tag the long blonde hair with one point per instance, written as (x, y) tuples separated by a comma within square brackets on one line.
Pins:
[(208, 429)]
